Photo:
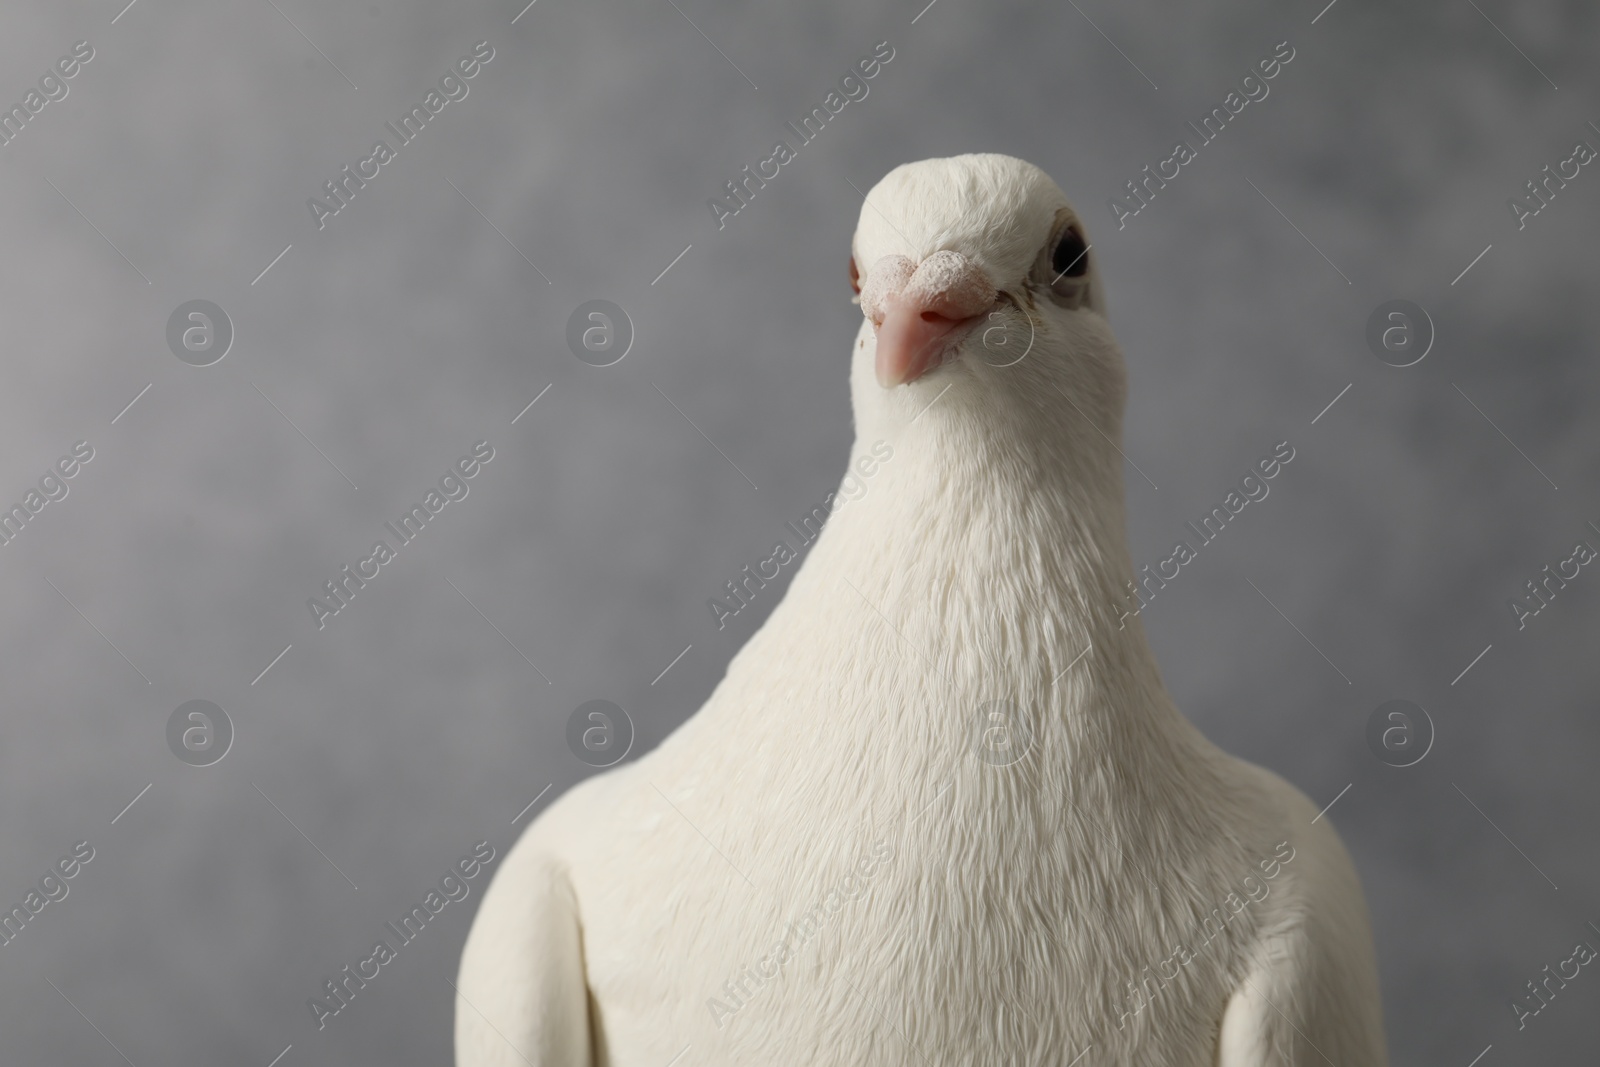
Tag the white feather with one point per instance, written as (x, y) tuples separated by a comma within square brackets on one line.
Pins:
[(986, 561)]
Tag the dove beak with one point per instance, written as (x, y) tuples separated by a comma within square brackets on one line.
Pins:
[(912, 339), (920, 312)]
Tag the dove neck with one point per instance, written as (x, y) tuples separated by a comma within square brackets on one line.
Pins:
[(1006, 570)]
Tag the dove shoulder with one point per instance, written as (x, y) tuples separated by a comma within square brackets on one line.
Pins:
[(522, 996), (1308, 992)]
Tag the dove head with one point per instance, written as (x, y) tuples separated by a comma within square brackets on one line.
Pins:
[(976, 278)]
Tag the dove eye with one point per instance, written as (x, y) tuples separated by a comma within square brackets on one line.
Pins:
[(1062, 269), (1070, 259)]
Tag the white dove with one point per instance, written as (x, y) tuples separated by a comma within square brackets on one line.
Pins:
[(941, 809)]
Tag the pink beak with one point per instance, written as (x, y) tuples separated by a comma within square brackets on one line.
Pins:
[(920, 311)]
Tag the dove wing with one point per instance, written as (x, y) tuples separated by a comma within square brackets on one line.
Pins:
[(522, 1000), (1309, 994)]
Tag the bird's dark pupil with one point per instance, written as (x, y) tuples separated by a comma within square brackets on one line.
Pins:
[(1069, 258)]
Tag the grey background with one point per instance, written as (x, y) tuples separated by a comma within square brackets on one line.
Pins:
[(408, 328)]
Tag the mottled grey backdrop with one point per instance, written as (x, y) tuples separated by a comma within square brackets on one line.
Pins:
[(423, 318)]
